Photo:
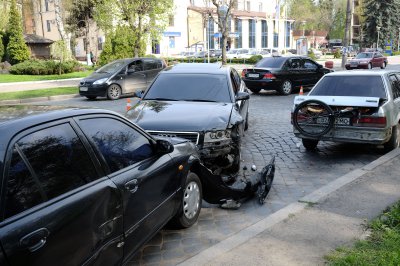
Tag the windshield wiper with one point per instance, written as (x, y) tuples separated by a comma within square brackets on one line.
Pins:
[(161, 99), (200, 100)]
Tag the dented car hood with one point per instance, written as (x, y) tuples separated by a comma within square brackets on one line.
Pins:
[(181, 115), (341, 100)]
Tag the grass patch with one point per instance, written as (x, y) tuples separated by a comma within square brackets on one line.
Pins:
[(4, 78), (17, 95), (381, 248)]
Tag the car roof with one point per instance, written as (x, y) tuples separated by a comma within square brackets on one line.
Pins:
[(362, 73), (203, 68), (14, 118)]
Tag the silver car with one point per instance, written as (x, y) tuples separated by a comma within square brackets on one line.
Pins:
[(356, 106)]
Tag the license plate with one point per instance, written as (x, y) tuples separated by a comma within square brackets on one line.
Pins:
[(353, 64), (250, 75), (341, 121), (83, 88)]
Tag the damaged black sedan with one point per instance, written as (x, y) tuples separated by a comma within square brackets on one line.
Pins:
[(204, 103)]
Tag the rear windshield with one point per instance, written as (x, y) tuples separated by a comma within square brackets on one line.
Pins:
[(365, 86), (190, 87), (271, 62)]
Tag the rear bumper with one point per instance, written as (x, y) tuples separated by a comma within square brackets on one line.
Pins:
[(353, 135), (265, 84)]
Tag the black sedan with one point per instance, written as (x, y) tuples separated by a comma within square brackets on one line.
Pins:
[(88, 187), (205, 103), (283, 74), (121, 77)]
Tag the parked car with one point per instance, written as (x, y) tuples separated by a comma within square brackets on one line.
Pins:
[(216, 53), (372, 102), (237, 53), (204, 103), (283, 74), (88, 187), (367, 60), (121, 77)]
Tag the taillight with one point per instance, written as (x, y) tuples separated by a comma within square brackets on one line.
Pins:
[(369, 121), (269, 76), (244, 71)]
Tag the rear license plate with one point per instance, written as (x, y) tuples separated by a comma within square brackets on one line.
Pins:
[(341, 121), (353, 64), (83, 88), (250, 75)]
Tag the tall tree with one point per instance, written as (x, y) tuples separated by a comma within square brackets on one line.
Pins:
[(60, 26), (17, 50), (384, 14)]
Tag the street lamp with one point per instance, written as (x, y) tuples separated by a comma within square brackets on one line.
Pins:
[(377, 43)]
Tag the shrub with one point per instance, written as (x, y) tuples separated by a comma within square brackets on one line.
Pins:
[(43, 67), (254, 59), (396, 53), (312, 55), (337, 54), (1, 47)]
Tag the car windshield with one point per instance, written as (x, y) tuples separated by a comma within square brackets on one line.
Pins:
[(364, 55), (111, 67), (363, 86), (189, 87), (232, 51), (271, 62)]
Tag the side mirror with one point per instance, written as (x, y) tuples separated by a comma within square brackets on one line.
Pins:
[(164, 147), (131, 70), (139, 94), (242, 96), (319, 66)]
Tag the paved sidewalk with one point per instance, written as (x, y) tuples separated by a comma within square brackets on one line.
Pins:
[(304, 232), (34, 85)]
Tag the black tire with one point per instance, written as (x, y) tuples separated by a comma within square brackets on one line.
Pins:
[(370, 66), (394, 140), (114, 92), (383, 66), (91, 97), (310, 144), (191, 200), (246, 123), (307, 113), (286, 88), (255, 90)]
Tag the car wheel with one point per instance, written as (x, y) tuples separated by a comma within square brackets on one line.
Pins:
[(91, 97), (255, 90), (286, 88), (370, 66), (348, 68), (190, 203), (246, 123), (113, 92), (394, 140), (383, 65), (310, 144)]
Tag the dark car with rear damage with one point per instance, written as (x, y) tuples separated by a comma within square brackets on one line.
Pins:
[(87, 186), (283, 74), (204, 103)]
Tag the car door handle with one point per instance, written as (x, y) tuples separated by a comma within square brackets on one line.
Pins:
[(35, 240), (132, 185)]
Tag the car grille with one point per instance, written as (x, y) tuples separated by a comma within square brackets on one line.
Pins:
[(87, 83), (191, 136)]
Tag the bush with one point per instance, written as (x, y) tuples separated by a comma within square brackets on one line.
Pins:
[(43, 67), (396, 53), (312, 55), (337, 54)]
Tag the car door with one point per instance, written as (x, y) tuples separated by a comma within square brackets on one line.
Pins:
[(136, 77), (313, 71), (377, 60), (395, 84), (57, 206), (291, 70), (152, 67), (148, 182)]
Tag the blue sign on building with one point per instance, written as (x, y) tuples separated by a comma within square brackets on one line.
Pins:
[(172, 33)]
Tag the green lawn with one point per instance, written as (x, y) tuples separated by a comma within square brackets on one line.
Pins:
[(4, 78), (381, 248), (38, 93)]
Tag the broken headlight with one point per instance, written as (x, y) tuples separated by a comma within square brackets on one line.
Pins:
[(217, 135)]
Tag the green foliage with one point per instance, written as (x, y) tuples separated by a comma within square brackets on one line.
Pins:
[(17, 50), (312, 55), (337, 54), (255, 58), (1, 48), (43, 67), (252, 60), (381, 248), (59, 50)]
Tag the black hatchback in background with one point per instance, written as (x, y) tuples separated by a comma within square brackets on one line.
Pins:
[(121, 77), (283, 74), (88, 187)]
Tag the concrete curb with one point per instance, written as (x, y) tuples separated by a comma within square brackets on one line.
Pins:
[(40, 99), (248, 233), (36, 82)]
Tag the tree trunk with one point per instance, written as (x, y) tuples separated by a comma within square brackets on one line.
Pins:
[(60, 26)]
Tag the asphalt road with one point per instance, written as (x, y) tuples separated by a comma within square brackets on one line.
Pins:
[(298, 173)]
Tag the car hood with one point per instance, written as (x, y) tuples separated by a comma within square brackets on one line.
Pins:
[(181, 116), (95, 76)]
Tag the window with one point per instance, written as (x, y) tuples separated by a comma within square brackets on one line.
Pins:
[(238, 29), (295, 63), (59, 163), (287, 33), (171, 21), (46, 4), (252, 33), (120, 145), (264, 34), (308, 64), (395, 86), (248, 5), (100, 43), (260, 7), (150, 64), (48, 25), (210, 33), (136, 65), (276, 35)]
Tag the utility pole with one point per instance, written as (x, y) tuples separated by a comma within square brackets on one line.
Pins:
[(346, 34)]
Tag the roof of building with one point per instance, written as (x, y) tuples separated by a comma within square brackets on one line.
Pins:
[(36, 39)]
